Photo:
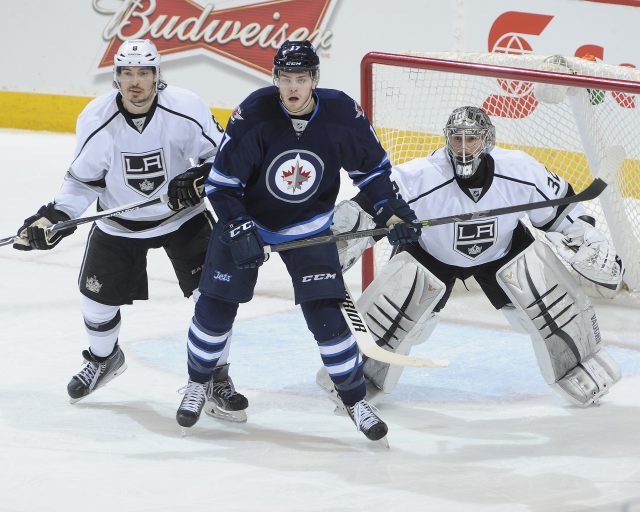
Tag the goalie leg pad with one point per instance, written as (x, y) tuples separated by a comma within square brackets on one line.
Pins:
[(590, 380), (347, 217), (562, 324), (397, 307)]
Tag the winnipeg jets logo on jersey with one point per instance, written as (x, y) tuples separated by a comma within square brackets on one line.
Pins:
[(475, 237), (294, 175), (144, 172)]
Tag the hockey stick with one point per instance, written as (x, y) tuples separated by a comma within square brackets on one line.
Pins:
[(8, 240), (370, 348), (108, 213), (103, 214), (591, 192)]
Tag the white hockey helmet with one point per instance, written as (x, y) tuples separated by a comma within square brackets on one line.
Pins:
[(470, 136), (136, 53)]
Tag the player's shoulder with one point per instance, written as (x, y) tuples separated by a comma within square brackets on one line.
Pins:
[(339, 103), (260, 102), (511, 155), (423, 173), (180, 100), (98, 112), (513, 162)]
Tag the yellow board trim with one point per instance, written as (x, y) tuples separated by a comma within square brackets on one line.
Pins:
[(54, 112), (404, 145)]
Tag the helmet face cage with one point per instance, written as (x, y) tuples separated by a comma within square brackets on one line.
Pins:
[(469, 136), (296, 57), (137, 53)]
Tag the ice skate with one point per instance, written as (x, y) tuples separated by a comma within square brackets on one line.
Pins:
[(223, 401), (192, 403), (366, 420), (95, 373)]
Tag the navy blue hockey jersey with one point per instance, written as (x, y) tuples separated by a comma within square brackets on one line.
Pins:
[(288, 182)]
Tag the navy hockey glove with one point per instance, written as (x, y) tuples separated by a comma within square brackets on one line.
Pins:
[(241, 235), (187, 189), (396, 214), (33, 233)]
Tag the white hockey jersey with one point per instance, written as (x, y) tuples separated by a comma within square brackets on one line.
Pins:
[(117, 164), (429, 186)]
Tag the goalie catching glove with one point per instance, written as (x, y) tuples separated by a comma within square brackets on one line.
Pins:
[(589, 253), (187, 189), (396, 214), (33, 234)]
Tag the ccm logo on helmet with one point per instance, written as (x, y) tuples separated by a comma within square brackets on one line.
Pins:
[(317, 277)]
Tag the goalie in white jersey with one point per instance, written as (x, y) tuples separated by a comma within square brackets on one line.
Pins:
[(521, 277), (134, 142)]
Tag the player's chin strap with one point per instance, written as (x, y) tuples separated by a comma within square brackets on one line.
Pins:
[(552, 308)]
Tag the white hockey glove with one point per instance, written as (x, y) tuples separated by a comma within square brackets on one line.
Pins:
[(348, 216), (589, 253)]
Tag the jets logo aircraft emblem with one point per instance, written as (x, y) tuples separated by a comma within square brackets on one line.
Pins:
[(295, 175)]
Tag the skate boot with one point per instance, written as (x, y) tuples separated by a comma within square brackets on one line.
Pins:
[(192, 403), (223, 401), (95, 373), (367, 421)]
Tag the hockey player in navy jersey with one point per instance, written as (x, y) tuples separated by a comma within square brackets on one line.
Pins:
[(131, 142), (521, 277), (276, 178)]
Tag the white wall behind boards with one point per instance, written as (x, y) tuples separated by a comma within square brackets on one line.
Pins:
[(56, 47)]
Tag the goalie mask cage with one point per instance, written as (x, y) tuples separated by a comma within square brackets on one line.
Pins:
[(579, 118)]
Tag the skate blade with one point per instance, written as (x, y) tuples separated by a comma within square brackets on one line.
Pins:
[(216, 412), (383, 443), (119, 371)]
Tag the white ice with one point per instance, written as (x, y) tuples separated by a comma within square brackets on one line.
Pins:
[(485, 434)]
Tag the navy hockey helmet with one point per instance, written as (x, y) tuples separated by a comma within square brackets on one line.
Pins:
[(469, 136), (297, 56)]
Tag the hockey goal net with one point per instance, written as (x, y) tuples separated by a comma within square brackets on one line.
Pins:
[(579, 117)]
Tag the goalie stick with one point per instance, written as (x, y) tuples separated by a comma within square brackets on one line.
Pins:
[(591, 192), (368, 345)]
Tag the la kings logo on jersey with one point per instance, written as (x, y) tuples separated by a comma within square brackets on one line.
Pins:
[(475, 237), (144, 172)]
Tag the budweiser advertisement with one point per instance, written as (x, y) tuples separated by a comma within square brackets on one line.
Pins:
[(243, 36)]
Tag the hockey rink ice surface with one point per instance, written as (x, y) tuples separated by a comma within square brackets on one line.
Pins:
[(485, 434)]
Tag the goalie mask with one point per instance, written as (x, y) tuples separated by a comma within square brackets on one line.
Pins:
[(137, 53), (469, 136)]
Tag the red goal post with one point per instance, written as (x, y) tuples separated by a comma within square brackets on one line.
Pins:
[(578, 117)]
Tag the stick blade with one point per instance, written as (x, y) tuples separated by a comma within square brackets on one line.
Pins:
[(595, 188), (373, 351)]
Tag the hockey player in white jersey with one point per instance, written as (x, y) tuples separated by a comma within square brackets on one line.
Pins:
[(134, 142), (521, 277)]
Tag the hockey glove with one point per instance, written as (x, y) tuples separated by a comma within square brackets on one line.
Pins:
[(589, 253), (396, 214), (245, 244), (33, 234), (187, 189)]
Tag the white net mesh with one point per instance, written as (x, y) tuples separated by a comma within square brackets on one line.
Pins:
[(576, 132)]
